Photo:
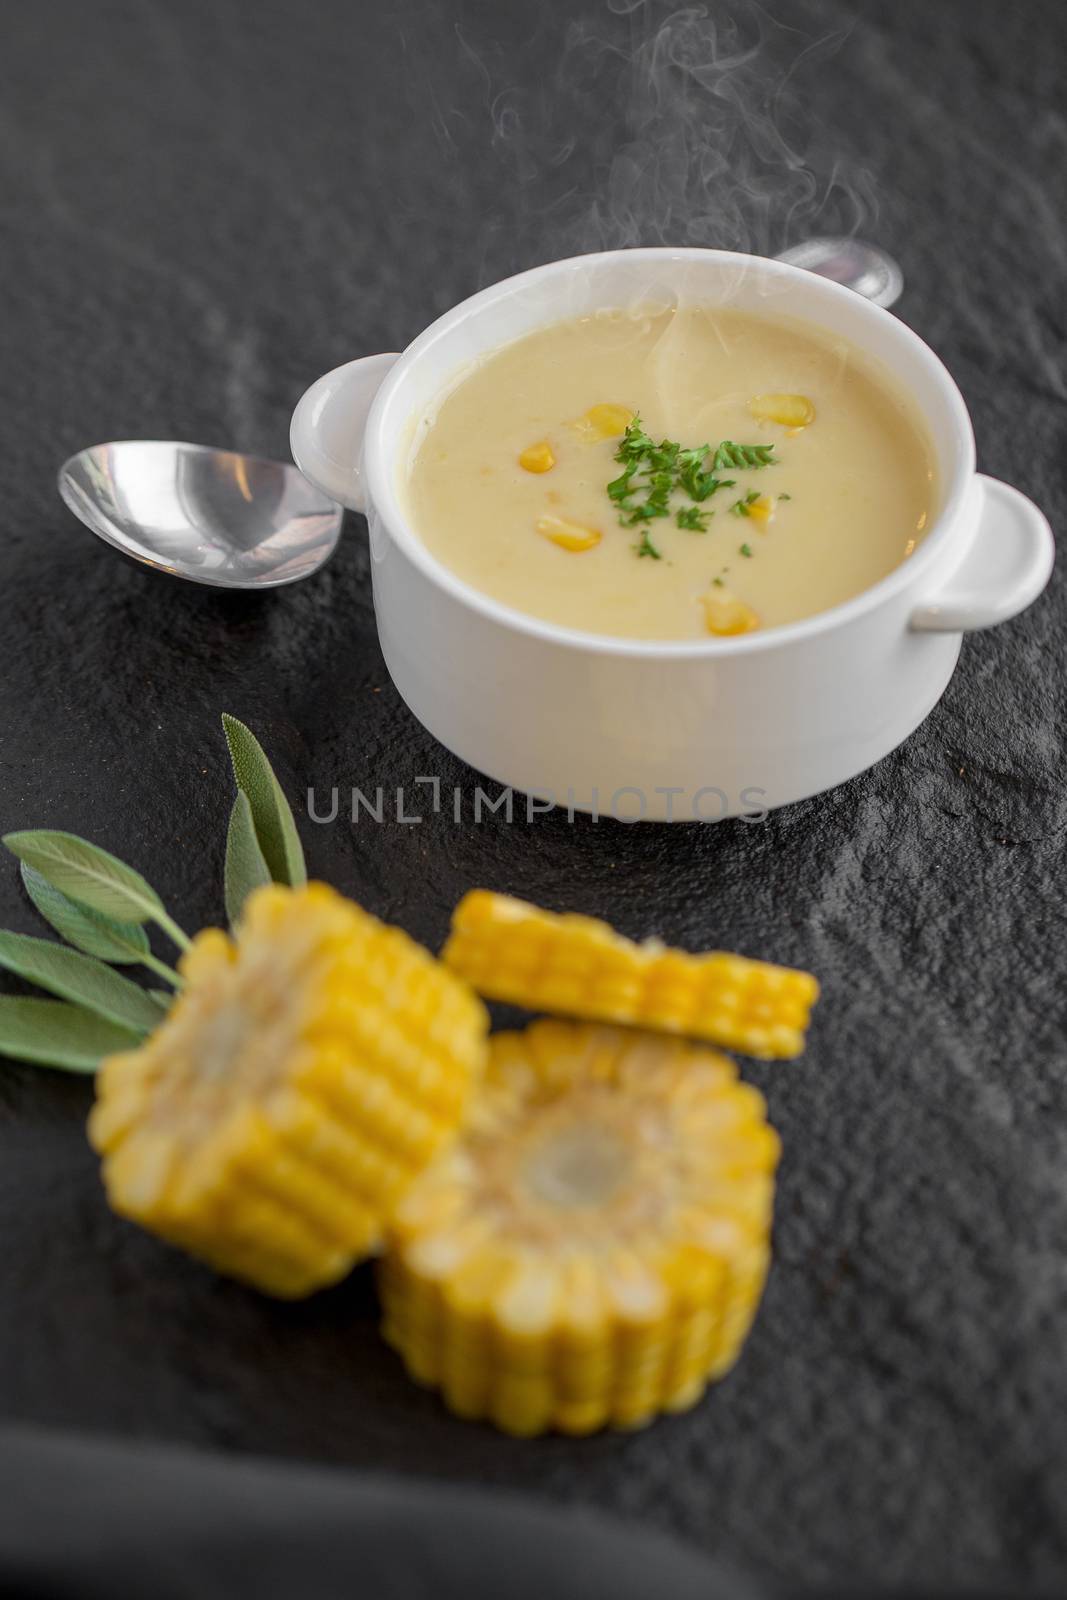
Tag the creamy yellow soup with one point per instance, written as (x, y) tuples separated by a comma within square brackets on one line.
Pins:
[(565, 475)]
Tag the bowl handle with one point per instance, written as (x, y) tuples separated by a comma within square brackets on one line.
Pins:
[(326, 433), (1004, 568)]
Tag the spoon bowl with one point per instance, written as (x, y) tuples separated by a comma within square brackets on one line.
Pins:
[(866, 268), (209, 516)]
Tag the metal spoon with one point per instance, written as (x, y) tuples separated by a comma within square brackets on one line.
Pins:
[(853, 262), (212, 516), (238, 522)]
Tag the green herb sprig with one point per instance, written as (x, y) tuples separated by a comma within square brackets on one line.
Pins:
[(101, 907)]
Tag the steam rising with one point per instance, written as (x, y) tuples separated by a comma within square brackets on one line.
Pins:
[(661, 125), (708, 160)]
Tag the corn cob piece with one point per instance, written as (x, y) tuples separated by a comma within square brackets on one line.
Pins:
[(579, 967), (307, 1072), (592, 1251)]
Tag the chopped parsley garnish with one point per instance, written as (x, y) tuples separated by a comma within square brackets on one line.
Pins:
[(745, 550), (652, 473), (644, 513), (635, 442)]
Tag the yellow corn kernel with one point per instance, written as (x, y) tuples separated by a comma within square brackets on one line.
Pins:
[(509, 950), (538, 457), (568, 535), (307, 1072), (592, 1251), (726, 615), (606, 421), (793, 411), (760, 510)]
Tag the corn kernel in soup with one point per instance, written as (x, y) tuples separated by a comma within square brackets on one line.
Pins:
[(672, 474)]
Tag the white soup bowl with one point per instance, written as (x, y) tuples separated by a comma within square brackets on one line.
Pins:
[(699, 729)]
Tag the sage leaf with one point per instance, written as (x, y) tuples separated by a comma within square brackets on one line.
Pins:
[(123, 943), (87, 874), (245, 867), (275, 829), (163, 998), (55, 1034), (80, 978)]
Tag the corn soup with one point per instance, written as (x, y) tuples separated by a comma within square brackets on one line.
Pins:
[(671, 473)]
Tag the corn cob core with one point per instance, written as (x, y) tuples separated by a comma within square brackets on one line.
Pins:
[(593, 1249), (576, 966), (307, 1072)]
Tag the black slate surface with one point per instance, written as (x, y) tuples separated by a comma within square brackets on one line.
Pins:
[(207, 205)]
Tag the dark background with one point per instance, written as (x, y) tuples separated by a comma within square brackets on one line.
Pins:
[(207, 204)]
